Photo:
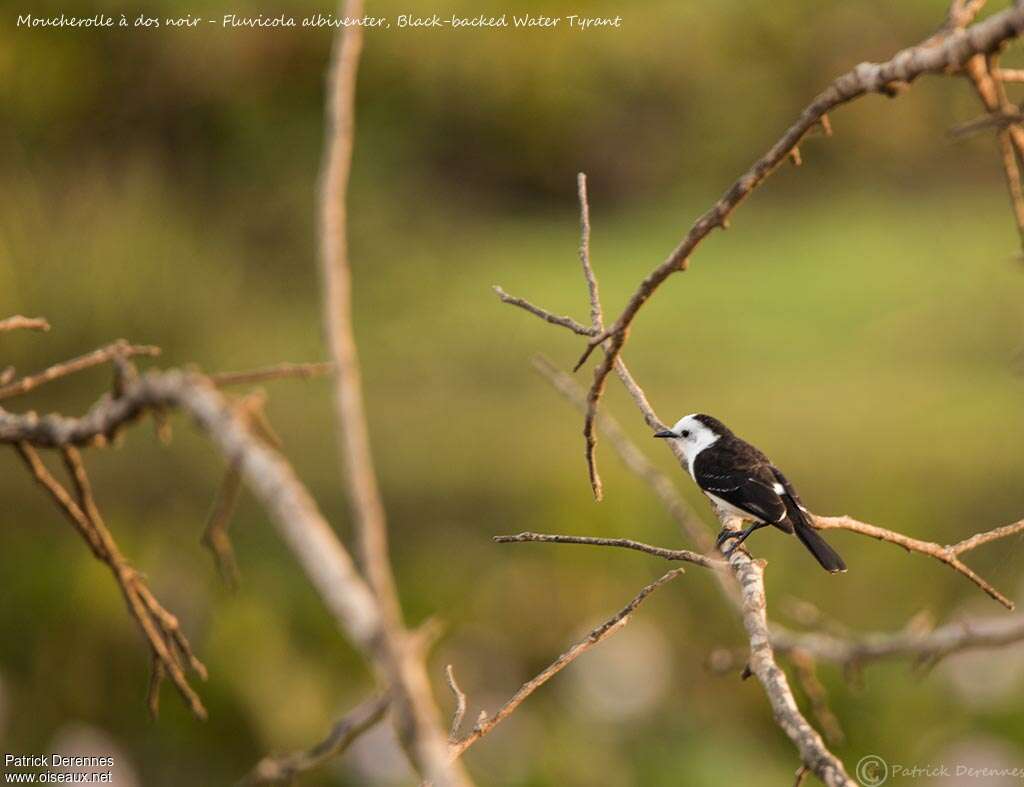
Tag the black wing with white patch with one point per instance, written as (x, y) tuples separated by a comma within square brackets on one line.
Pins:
[(740, 475)]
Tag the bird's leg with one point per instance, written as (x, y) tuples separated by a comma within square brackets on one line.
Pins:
[(724, 535), (739, 537)]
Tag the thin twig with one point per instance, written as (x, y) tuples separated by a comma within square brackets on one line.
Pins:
[(284, 769), (487, 723), (631, 455), (460, 704), (626, 543), (120, 348), (1010, 134), (215, 535), (950, 555), (554, 319), (276, 372), (19, 322), (158, 625), (596, 313)]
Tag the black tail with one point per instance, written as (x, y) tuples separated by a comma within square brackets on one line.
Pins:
[(800, 518), (816, 545)]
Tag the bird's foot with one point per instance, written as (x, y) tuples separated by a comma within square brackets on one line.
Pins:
[(739, 537), (725, 534)]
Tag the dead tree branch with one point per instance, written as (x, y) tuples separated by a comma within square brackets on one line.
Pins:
[(487, 723), (813, 751), (417, 719), (920, 646), (626, 543), (460, 704), (950, 555), (19, 322), (119, 349), (945, 55), (279, 371), (286, 768), (634, 459), (215, 536), (170, 649)]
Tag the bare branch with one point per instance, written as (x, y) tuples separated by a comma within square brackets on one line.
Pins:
[(625, 543), (158, 626), (947, 54), (807, 676), (276, 372), (950, 555), (1009, 74), (1010, 134), (286, 768), (487, 723), (19, 322), (631, 455), (215, 536), (813, 751), (119, 349), (554, 319), (417, 719), (460, 704), (930, 646), (596, 316)]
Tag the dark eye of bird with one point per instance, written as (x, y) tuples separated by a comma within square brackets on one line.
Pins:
[(685, 433)]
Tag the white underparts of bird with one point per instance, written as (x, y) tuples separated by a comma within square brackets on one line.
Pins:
[(742, 483)]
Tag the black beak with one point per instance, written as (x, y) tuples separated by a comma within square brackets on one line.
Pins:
[(665, 433)]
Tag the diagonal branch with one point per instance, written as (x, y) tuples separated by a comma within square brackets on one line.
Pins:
[(487, 723), (950, 555), (631, 455), (285, 769), (160, 628), (944, 55), (119, 349)]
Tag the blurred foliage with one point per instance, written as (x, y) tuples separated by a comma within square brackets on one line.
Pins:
[(861, 322)]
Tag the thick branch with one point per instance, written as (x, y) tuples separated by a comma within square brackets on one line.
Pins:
[(813, 751)]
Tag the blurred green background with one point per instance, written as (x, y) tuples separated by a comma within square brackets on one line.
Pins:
[(861, 322)]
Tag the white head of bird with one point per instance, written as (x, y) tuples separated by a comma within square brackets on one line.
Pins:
[(693, 433)]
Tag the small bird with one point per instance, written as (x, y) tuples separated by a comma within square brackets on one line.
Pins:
[(742, 482)]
